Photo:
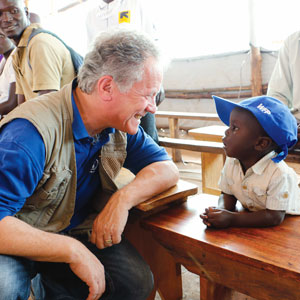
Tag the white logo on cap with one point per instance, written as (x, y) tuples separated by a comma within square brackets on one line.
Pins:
[(263, 109)]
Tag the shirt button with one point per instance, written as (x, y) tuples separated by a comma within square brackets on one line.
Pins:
[(244, 187), (285, 195)]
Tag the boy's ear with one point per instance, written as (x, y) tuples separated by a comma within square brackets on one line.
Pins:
[(263, 143)]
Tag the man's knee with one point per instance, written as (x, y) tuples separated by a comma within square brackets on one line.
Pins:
[(14, 278), (138, 278)]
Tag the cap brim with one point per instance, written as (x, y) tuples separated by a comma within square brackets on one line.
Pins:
[(224, 108)]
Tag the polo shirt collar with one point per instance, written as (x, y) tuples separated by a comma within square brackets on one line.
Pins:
[(79, 130), (103, 4), (26, 34)]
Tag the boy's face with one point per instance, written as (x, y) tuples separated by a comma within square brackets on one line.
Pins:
[(242, 135)]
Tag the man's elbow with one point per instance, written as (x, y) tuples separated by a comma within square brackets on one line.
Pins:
[(173, 172)]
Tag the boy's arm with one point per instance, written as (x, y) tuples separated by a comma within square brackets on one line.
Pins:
[(221, 218), (227, 201)]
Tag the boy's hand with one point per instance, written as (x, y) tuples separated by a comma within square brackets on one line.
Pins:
[(216, 217)]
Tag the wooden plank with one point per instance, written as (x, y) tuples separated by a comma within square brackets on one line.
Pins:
[(187, 115), (174, 133), (227, 93), (181, 190), (213, 133), (192, 145), (212, 165), (256, 77)]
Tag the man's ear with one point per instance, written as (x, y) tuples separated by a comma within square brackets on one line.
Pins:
[(263, 143), (105, 87)]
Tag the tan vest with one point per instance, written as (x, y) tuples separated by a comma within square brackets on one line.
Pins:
[(51, 206)]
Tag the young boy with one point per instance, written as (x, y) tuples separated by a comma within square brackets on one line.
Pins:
[(261, 130)]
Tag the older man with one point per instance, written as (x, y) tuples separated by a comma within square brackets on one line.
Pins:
[(42, 65), (58, 154)]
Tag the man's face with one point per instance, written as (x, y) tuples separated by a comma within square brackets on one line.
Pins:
[(140, 99), (13, 18)]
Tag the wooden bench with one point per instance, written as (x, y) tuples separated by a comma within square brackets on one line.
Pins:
[(260, 262), (173, 119)]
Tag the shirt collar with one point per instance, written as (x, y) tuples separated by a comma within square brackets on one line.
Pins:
[(26, 34), (79, 130), (259, 167)]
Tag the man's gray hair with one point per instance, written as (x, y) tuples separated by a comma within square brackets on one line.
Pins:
[(120, 54)]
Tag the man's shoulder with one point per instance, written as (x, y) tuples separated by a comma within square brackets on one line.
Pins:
[(26, 34), (293, 38)]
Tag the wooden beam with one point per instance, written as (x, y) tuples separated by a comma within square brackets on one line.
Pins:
[(227, 93), (256, 79)]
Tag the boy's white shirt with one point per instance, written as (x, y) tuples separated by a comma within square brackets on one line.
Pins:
[(266, 185)]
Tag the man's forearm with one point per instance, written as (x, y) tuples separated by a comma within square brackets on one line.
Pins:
[(150, 181), (20, 239)]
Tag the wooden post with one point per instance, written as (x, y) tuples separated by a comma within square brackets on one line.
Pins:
[(256, 78), (174, 133)]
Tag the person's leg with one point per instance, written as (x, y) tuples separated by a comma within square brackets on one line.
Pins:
[(149, 125), (15, 277), (126, 270), (127, 276)]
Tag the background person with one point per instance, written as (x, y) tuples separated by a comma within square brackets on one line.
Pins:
[(41, 66), (132, 14), (8, 98)]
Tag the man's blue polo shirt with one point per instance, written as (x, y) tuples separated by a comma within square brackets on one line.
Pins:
[(22, 160)]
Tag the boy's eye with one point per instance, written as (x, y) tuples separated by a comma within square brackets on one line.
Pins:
[(234, 128)]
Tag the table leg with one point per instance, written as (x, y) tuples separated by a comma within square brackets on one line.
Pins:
[(211, 165), (165, 269), (212, 291)]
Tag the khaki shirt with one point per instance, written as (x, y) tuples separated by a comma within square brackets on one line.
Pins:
[(50, 66)]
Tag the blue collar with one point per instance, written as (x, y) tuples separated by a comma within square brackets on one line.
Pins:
[(79, 130)]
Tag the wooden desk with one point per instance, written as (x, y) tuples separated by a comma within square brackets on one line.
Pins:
[(263, 263), (212, 163), (149, 248)]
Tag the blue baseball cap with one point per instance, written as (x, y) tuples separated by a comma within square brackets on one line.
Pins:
[(275, 118)]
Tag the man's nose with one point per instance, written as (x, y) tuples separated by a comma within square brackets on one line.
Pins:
[(151, 107)]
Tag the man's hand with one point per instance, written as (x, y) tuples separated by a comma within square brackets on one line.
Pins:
[(90, 270), (110, 223), (39, 245), (216, 217)]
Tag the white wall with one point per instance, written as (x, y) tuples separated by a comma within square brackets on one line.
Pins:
[(228, 70)]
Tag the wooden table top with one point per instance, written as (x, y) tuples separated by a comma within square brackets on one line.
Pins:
[(276, 249)]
